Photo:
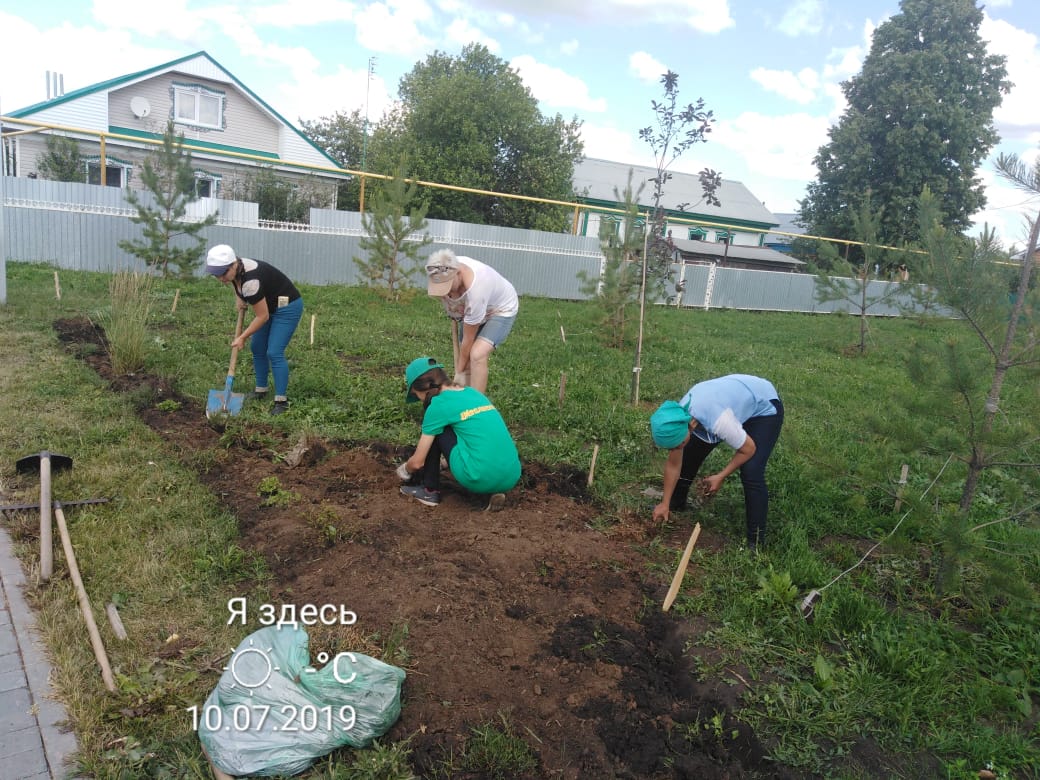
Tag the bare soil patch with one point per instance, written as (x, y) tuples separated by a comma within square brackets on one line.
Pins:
[(528, 613)]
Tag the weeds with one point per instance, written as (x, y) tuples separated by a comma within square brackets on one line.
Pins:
[(490, 751)]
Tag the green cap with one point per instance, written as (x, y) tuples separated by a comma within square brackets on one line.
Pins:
[(669, 425), (416, 369)]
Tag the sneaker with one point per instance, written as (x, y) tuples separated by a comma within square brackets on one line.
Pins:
[(495, 502), (280, 407), (421, 494)]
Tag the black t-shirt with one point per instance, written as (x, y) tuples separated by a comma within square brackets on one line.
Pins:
[(262, 280)]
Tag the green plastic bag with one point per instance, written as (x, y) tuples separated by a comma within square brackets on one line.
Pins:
[(272, 713)]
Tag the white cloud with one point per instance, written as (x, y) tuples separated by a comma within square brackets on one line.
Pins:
[(317, 96), (28, 53), (805, 17), (1017, 116), (707, 16), (554, 87), (289, 15), (781, 147), (570, 48), (801, 87), (609, 143), (174, 22), (392, 28), (462, 33), (646, 67)]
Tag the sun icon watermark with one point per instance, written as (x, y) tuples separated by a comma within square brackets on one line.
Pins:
[(248, 672)]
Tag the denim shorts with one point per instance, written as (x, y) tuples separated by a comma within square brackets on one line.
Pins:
[(496, 329)]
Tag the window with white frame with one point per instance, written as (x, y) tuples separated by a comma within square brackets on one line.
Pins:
[(116, 174), (194, 104), (697, 234), (207, 185)]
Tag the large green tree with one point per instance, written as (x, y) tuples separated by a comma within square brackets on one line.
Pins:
[(469, 121), (357, 145), (920, 113)]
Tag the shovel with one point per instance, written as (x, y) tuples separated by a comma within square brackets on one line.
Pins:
[(224, 402)]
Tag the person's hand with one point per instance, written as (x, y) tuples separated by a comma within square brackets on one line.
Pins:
[(709, 486), (403, 473), (461, 379), (240, 305), (238, 342), (661, 512)]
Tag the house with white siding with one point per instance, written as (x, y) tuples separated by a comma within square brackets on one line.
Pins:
[(229, 130)]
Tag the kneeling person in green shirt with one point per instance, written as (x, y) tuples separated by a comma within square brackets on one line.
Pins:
[(461, 424)]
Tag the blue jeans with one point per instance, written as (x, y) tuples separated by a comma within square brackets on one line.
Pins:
[(764, 431), (269, 343)]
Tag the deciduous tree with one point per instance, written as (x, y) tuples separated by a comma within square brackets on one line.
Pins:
[(920, 113), (469, 121), (678, 128)]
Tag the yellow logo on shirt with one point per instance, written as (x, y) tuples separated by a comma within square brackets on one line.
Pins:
[(476, 410)]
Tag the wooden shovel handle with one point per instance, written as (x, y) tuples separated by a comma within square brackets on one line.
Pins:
[(455, 344), (84, 600), (234, 350)]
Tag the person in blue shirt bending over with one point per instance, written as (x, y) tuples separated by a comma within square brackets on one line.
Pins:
[(742, 410)]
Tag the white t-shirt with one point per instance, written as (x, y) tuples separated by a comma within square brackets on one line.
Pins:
[(490, 295)]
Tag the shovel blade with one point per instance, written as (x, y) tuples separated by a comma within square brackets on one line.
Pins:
[(221, 402)]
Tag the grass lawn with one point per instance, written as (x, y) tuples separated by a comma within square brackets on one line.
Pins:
[(923, 679)]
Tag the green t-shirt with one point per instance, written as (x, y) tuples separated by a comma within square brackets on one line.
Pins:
[(485, 459)]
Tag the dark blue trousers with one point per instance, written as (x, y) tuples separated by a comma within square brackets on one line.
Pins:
[(764, 431)]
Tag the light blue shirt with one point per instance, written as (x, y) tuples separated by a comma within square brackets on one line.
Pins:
[(721, 406)]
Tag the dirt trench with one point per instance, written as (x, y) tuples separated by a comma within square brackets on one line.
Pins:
[(528, 616)]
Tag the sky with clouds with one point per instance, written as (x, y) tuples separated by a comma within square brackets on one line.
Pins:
[(770, 70)]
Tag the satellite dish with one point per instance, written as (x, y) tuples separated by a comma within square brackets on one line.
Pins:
[(140, 107)]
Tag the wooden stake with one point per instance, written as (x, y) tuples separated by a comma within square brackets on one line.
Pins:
[(563, 387), (673, 591), (563, 335), (57, 286), (176, 297), (592, 466), (902, 486), (115, 621), (312, 327)]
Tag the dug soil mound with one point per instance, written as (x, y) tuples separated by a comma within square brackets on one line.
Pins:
[(528, 616)]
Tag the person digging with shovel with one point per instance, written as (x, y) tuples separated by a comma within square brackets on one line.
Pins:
[(465, 427), (277, 309), (742, 410)]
